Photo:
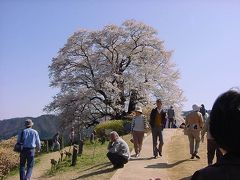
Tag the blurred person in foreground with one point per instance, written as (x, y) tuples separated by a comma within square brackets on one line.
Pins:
[(212, 147), (224, 127), (118, 151), (31, 142)]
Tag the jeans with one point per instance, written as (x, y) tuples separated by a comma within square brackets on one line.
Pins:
[(27, 155)]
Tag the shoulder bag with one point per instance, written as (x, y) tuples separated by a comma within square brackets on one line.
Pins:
[(18, 147)]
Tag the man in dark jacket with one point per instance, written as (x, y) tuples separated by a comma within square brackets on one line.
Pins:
[(157, 123), (224, 127)]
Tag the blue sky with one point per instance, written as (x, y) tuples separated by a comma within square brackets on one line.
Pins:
[(204, 35)]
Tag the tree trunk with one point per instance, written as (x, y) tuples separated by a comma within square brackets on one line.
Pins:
[(80, 147), (47, 146), (132, 101)]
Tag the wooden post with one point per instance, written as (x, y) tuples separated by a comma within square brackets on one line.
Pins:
[(80, 147), (74, 156), (62, 142), (47, 147)]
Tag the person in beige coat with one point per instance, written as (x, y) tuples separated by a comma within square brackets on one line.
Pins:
[(194, 125)]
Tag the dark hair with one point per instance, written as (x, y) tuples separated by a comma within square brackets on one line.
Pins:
[(225, 121), (159, 100)]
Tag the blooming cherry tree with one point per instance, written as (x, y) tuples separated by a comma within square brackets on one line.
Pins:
[(96, 72)]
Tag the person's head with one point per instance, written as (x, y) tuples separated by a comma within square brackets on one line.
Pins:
[(159, 103), (113, 136), (195, 108), (225, 121), (171, 107), (28, 123), (138, 111)]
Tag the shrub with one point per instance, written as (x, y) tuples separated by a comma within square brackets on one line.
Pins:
[(8, 158), (104, 128)]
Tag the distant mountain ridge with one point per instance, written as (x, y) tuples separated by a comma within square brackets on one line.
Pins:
[(46, 125)]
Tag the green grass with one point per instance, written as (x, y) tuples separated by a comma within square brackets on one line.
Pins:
[(92, 164)]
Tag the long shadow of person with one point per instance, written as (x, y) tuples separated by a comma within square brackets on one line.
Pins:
[(166, 165), (102, 171)]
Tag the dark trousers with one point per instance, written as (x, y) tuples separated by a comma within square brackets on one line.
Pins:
[(26, 156), (212, 147), (170, 122), (157, 134), (116, 159)]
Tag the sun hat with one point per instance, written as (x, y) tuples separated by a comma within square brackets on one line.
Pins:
[(28, 123), (138, 109)]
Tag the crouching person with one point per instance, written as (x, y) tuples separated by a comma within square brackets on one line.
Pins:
[(118, 151)]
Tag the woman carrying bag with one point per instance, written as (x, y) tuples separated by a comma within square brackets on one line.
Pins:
[(139, 126)]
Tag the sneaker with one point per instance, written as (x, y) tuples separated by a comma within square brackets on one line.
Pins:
[(192, 157), (155, 157), (137, 155)]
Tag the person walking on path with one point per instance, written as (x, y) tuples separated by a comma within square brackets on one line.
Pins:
[(171, 116), (56, 144), (204, 113), (31, 142), (118, 151), (194, 124), (139, 125), (157, 123), (224, 127), (212, 146)]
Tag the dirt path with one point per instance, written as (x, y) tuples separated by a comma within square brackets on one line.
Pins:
[(174, 165), (40, 168)]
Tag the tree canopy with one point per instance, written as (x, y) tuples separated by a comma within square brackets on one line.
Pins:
[(96, 72)]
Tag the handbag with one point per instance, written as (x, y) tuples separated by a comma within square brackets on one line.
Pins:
[(18, 147)]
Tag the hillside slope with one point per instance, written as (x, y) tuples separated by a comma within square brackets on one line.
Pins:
[(46, 125)]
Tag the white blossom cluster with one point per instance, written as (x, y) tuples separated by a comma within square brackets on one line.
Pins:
[(96, 71)]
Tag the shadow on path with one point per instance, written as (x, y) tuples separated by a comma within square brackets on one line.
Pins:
[(95, 173), (137, 159), (98, 166), (166, 165), (186, 178)]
